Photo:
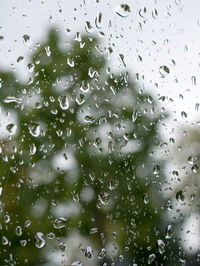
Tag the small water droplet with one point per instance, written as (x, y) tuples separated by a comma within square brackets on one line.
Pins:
[(193, 79), (195, 169), (146, 198), (64, 103), (88, 27), (169, 231), (18, 230), (19, 59), (183, 114), (89, 253), (34, 129), (134, 115), (26, 40), (156, 170), (4, 241), (102, 253), (62, 246), (89, 119), (121, 59), (70, 62), (23, 243), (169, 205), (39, 240), (93, 230), (122, 10), (151, 258), (161, 246), (76, 263), (32, 148), (60, 222), (75, 196), (104, 197), (47, 50)]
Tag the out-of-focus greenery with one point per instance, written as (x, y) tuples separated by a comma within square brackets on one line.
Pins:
[(85, 138)]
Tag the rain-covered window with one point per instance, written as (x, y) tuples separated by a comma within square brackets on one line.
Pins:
[(99, 132)]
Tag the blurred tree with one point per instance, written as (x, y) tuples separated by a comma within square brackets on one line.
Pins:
[(79, 157)]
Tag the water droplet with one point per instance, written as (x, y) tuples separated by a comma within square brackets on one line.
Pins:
[(121, 59), (163, 70), (23, 243), (34, 129), (11, 128), (191, 159), (193, 79), (195, 169), (26, 40), (20, 58), (84, 87), (122, 10), (102, 253), (4, 241), (64, 103), (156, 170), (48, 51), (75, 196), (51, 235), (89, 253), (134, 115), (32, 148), (76, 263), (161, 246), (98, 20), (146, 198), (18, 230), (12, 99), (88, 27), (62, 246), (70, 62), (197, 106), (39, 240), (113, 184), (89, 119), (169, 231), (180, 196), (169, 205), (183, 114), (151, 258), (93, 230), (104, 197), (60, 223), (142, 12)]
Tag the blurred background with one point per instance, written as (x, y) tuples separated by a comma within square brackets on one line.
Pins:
[(99, 132)]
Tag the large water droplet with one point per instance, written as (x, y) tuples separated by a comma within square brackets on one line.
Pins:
[(89, 253), (98, 20), (180, 196), (163, 70), (60, 223), (39, 240), (151, 258), (34, 129), (161, 246), (169, 231), (104, 197), (114, 183), (64, 103), (26, 40), (12, 99), (122, 10), (11, 128), (156, 170)]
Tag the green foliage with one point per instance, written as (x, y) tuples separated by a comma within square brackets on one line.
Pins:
[(75, 107)]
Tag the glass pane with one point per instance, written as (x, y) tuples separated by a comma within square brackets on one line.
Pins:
[(99, 132)]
